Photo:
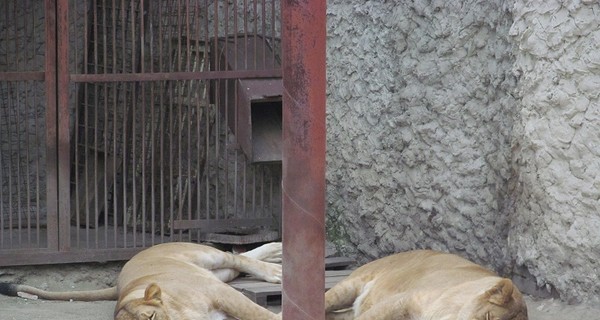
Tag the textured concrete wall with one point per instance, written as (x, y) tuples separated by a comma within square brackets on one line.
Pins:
[(419, 117), (471, 127), (556, 232)]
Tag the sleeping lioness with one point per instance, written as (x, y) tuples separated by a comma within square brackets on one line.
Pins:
[(424, 285), (180, 281)]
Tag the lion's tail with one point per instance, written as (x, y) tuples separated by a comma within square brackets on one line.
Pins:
[(12, 289)]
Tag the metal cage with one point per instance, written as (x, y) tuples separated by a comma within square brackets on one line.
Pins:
[(114, 133)]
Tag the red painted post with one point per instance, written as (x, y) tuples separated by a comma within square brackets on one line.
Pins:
[(303, 44)]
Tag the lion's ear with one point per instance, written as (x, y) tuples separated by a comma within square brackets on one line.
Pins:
[(152, 293), (501, 293)]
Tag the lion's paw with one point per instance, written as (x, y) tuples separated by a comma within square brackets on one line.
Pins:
[(272, 273), (271, 252)]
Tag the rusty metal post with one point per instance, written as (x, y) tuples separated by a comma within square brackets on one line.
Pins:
[(303, 46), (51, 126), (62, 118)]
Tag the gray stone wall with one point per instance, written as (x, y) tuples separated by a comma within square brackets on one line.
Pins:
[(556, 141), (470, 127)]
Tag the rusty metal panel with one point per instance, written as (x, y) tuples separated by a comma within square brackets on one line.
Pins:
[(25, 211), (253, 106)]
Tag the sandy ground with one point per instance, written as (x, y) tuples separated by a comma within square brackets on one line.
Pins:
[(90, 276)]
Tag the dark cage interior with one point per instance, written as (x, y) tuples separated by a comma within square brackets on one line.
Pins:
[(153, 156)]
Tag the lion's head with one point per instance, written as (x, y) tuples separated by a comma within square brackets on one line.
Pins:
[(150, 307), (502, 301)]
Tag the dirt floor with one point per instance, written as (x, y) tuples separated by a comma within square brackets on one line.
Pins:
[(90, 276)]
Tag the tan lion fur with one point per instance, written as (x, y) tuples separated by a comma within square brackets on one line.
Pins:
[(424, 285), (180, 281)]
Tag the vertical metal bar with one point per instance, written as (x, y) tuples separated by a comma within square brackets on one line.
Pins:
[(2, 165), (199, 109), (207, 130), (273, 34), (18, 129), (2, 182), (95, 148), (63, 116), (10, 167), (16, 37), (235, 101), (162, 87), (124, 125), (28, 106), (17, 126), (178, 123), (52, 173), (78, 129), (226, 120), (85, 144), (85, 148), (6, 127), (105, 129), (142, 10), (154, 127), (170, 89), (304, 34), (115, 120), (217, 127), (245, 190), (246, 35), (262, 191), (255, 34), (132, 20), (264, 34), (37, 175), (188, 97), (254, 191)]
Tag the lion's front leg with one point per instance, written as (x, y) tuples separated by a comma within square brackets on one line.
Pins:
[(236, 305), (267, 271), (393, 308), (270, 272), (270, 252)]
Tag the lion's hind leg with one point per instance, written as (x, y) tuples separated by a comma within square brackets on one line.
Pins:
[(342, 296), (270, 252)]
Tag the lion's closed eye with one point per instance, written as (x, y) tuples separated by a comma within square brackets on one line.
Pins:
[(148, 316)]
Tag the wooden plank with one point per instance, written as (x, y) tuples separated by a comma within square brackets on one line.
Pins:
[(259, 291), (338, 262), (263, 236)]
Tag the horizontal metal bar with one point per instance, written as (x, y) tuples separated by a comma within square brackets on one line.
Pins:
[(162, 76), (215, 225), (36, 257), (22, 76)]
